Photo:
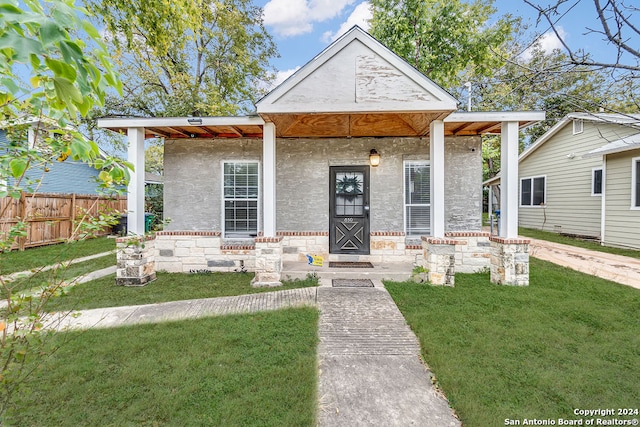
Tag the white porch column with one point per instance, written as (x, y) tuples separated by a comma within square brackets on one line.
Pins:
[(436, 159), (509, 181), (135, 200), (269, 176)]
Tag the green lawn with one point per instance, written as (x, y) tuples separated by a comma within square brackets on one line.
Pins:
[(249, 370), (567, 341), (587, 244), (168, 287), (14, 261)]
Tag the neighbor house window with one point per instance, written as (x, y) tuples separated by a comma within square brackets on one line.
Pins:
[(578, 126), (635, 183), (596, 182), (417, 197), (241, 184), (533, 191)]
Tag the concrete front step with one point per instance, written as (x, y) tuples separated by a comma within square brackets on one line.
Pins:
[(385, 271)]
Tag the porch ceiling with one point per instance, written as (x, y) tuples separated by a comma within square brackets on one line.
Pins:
[(353, 124), (324, 125), (197, 131)]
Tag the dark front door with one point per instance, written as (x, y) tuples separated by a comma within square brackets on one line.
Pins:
[(349, 210)]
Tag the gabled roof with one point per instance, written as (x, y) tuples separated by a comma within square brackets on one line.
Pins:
[(631, 142), (620, 119), (355, 74)]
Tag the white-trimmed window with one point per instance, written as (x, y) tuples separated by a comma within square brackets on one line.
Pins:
[(417, 197), (533, 191), (241, 185), (635, 183), (578, 126), (597, 181)]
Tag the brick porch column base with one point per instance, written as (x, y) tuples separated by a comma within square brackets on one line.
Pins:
[(135, 261), (509, 261), (268, 268), (440, 255)]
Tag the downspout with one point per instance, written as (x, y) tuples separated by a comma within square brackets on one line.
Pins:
[(603, 200)]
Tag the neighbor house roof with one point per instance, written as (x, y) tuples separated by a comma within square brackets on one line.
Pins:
[(631, 142), (620, 119)]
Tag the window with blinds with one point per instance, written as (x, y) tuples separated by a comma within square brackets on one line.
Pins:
[(533, 191), (240, 199), (417, 198)]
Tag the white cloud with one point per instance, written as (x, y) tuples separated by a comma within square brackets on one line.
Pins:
[(284, 75), (294, 17), (360, 16), (547, 42)]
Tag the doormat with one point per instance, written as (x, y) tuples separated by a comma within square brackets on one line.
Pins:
[(352, 283), (343, 264)]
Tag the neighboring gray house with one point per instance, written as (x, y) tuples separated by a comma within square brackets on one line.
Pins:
[(566, 185), (58, 177), (356, 157), (621, 186)]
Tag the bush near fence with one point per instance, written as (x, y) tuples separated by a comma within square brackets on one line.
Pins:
[(52, 218)]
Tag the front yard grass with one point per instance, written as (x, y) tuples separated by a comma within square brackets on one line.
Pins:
[(167, 287), (244, 370), (11, 262), (581, 243), (567, 341)]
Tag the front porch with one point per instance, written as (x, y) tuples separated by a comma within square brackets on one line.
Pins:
[(296, 180)]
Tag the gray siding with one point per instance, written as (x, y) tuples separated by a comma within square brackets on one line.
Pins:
[(193, 172), (622, 224), (570, 207)]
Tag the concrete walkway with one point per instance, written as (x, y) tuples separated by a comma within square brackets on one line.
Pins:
[(370, 367), (617, 268), (181, 310), (28, 273)]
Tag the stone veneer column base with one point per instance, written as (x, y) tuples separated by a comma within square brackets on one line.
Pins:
[(268, 255), (135, 261), (440, 260), (509, 261)]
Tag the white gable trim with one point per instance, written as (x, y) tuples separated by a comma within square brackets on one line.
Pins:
[(269, 104)]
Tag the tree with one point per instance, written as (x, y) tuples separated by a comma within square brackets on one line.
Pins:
[(450, 42), (618, 26), (65, 78), (186, 57)]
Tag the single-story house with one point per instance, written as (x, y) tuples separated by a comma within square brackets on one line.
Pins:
[(356, 157), (567, 187)]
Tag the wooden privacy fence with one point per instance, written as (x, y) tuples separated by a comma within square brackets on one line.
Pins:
[(51, 218)]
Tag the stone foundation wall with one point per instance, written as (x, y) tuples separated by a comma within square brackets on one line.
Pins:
[(193, 251), (472, 251), (296, 245), (385, 246)]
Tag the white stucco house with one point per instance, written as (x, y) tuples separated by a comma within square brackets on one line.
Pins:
[(581, 178), (356, 157)]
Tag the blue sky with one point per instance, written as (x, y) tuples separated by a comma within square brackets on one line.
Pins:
[(303, 28)]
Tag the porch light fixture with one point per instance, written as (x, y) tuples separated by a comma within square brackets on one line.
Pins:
[(195, 121), (374, 158)]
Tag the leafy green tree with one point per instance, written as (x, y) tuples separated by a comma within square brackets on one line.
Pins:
[(449, 41), (64, 78), (186, 57)]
